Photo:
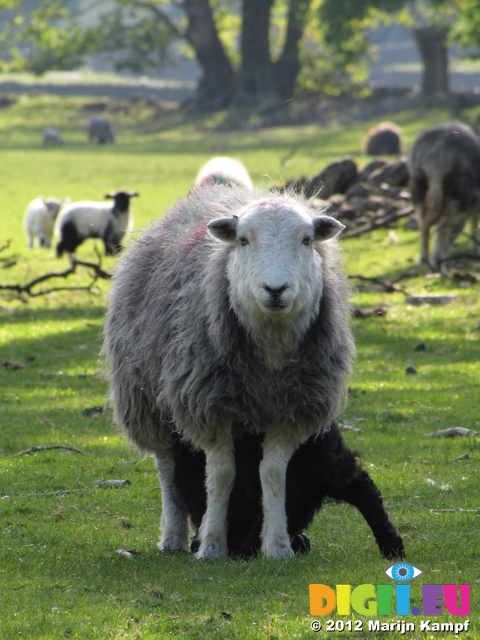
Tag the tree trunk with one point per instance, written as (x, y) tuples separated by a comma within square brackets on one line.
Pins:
[(217, 86), (255, 82), (288, 64), (431, 42)]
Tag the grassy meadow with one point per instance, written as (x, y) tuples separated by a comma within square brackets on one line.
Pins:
[(61, 575)]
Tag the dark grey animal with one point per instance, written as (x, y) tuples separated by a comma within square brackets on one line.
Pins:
[(100, 130), (384, 139), (322, 469), (444, 165), (231, 314)]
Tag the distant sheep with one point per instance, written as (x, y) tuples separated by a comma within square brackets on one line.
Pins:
[(384, 139), (86, 219), (39, 220), (321, 469), (52, 138), (444, 165), (231, 313), (100, 130), (224, 171)]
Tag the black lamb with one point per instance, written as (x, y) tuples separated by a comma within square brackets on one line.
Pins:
[(321, 469)]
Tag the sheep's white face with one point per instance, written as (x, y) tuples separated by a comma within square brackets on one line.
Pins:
[(274, 272)]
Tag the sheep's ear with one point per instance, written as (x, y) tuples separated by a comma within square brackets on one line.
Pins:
[(133, 194), (223, 228), (110, 195), (325, 227)]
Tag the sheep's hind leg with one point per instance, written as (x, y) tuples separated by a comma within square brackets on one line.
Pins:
[(278, 448), (174, 526), (220, 470)]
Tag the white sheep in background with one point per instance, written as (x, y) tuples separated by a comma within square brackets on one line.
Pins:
[(52, 138), (100, 130), (224, 171), (243, 327), (39, 220), (86, 219)]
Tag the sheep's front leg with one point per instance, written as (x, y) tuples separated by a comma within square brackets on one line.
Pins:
[(220, 469), (278, 448), (174, 527)]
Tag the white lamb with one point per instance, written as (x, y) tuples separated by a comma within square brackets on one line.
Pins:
[(39, 220), (86, 219)]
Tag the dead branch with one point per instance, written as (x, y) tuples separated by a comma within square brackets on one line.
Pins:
[(5, 246), (451, 433), (20, 289), (382, 284), (49, 448), (376, 223)]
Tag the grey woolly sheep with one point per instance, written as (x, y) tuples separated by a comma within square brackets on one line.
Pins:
[(86, 219), (100, 130), (444, 165), (224, 171), (230, 314), (383, 139)]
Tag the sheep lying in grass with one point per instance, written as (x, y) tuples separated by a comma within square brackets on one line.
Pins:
[(39, 220), (100, 130), (86, 219), (321, 469), (224, 171), (444, 164), (229, 315)]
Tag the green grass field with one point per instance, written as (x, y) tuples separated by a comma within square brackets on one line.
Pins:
[(61, 575)]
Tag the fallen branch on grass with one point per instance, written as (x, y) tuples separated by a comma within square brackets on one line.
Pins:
[(27, 288), (376, 223), (450, 433), (49, 448)]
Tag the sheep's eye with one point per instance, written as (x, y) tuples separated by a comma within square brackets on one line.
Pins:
[(243, 241), (306, 241)]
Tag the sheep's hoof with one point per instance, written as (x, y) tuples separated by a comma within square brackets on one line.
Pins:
[(280, 551), (300, 543), (211, 550), (172, 543)]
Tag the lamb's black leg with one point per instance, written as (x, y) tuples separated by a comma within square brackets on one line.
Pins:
[(361, 492)]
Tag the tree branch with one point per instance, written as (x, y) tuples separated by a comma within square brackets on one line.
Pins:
[(49, 448), (158, 11), (27, 288)]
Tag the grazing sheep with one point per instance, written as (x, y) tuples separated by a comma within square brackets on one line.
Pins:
[(39, 220), (224, 171), (85, 219), (243, 328), (321, 469), (444, 164), (384, 139), (52, 138), (100, 130)]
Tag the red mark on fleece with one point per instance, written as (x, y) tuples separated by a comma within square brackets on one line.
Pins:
[(195, 237)]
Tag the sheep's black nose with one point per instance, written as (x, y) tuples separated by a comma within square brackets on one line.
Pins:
[(275, 293)]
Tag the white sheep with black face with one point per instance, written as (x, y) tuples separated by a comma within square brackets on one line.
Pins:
[(90, 219), (231, 313), (39, 220)]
